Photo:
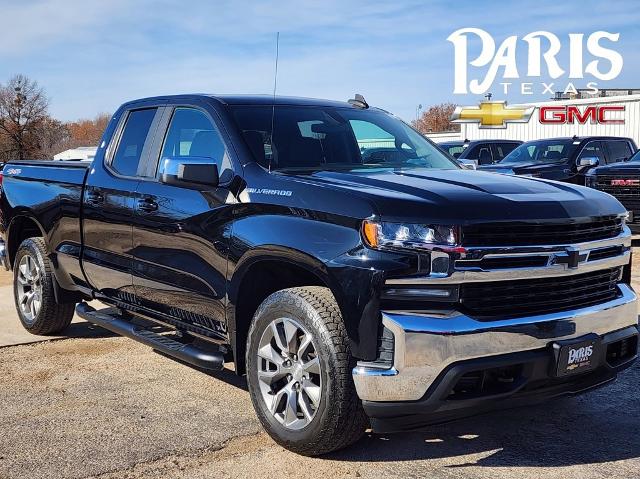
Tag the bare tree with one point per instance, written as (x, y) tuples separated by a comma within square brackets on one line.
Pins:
[(87, 132), (52, 137), (437, 118), (23, 109)]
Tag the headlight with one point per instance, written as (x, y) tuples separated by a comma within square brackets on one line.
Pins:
[(407, 235)]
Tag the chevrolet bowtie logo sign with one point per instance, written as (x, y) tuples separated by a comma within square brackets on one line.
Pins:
[(492, 114)]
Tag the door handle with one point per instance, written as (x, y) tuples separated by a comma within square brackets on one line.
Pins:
[(95, 197), (148, 205)]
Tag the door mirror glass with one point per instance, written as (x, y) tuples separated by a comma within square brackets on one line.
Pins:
[(189, 171), (468, 164), (588, 162)]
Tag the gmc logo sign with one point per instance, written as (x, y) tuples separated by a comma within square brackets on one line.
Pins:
[(606, 115), (625, 182)]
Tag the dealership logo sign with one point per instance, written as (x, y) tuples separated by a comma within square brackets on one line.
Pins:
[(492, 114), (496, 114), (571, 114), (542, 51)]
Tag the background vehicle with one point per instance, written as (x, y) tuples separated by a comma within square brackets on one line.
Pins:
[(481, 152), (564, 159), (621, 180), (345, 264)]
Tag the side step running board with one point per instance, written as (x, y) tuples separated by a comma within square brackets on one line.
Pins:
[(110, 319)]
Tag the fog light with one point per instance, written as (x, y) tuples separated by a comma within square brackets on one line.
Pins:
[(430, 293)]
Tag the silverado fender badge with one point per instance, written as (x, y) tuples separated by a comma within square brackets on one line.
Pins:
[(266, 191)]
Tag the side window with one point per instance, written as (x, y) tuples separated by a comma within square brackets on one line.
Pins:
[(134, 137), (593, 149), (192, 134), (482, 154), (619, 151), (503, 149), (455, 151)]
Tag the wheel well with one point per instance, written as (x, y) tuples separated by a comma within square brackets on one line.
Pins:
[(21, 229), (259, 281)]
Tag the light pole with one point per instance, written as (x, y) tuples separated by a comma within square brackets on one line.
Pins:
[(418, 108)]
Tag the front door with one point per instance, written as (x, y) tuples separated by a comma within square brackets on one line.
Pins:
[(108, 205), (181, 235)]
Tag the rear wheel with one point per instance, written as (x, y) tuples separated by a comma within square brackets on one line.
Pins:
[(299, 372), (33, 289)]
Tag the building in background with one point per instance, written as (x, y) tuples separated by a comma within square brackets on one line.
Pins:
[(82, 153), (534, 130)]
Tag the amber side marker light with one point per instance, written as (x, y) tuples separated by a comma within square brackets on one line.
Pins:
[(370, 233)]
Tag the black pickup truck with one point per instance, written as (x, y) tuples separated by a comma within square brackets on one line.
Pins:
[(621, 180), (564, 159), (347, 266)]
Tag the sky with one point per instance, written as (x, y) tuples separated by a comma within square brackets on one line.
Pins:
[(92, 55)]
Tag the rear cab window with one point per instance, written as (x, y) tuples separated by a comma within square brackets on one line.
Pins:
[(503, 149), (619, 150), (136, 135)]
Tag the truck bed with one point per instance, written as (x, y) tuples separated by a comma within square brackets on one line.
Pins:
[(52, 192)]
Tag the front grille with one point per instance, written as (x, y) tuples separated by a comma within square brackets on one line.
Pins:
[(603, 183), (532, 234), (501, 299), (629, 196)]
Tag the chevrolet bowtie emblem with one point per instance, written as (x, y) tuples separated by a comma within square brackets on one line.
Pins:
[(572, 258), (492, 114)]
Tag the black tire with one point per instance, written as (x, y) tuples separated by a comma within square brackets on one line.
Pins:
[(52, 317), (339, 420)]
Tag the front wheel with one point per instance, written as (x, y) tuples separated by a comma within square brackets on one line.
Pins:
[(33, 291), (299, 372)]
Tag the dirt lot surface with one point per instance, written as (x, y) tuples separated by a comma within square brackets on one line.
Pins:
[(108, 407), (6, 278)]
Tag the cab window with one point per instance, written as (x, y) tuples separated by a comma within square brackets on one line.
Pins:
[(593, 149), (136, 134), (191, 134), (619, 151)]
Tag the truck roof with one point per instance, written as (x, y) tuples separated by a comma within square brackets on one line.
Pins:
[(249, 100)]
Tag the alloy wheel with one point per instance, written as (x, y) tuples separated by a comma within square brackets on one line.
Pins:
[(29, 288), (289, 373)]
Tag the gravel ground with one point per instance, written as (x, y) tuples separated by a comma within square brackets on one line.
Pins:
[(108, 407)]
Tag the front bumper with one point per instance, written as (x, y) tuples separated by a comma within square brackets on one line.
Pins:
[(427, 345)]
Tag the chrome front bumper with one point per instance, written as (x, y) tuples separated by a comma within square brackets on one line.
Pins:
[(426, 344)]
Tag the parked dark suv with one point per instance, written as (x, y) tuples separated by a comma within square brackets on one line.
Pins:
[(481, 152), (565, 159)]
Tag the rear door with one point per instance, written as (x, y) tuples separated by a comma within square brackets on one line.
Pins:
[(108, 203), (181, 235)]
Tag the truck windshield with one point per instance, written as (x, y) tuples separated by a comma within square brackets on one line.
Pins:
[(334, 138), (542, 151)]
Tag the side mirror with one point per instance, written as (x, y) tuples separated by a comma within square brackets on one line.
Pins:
[(189, 172), (468, 164), (588, 162)]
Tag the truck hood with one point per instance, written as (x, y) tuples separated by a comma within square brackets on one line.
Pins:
[(463, 196), (631, 168), (522, 168)]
